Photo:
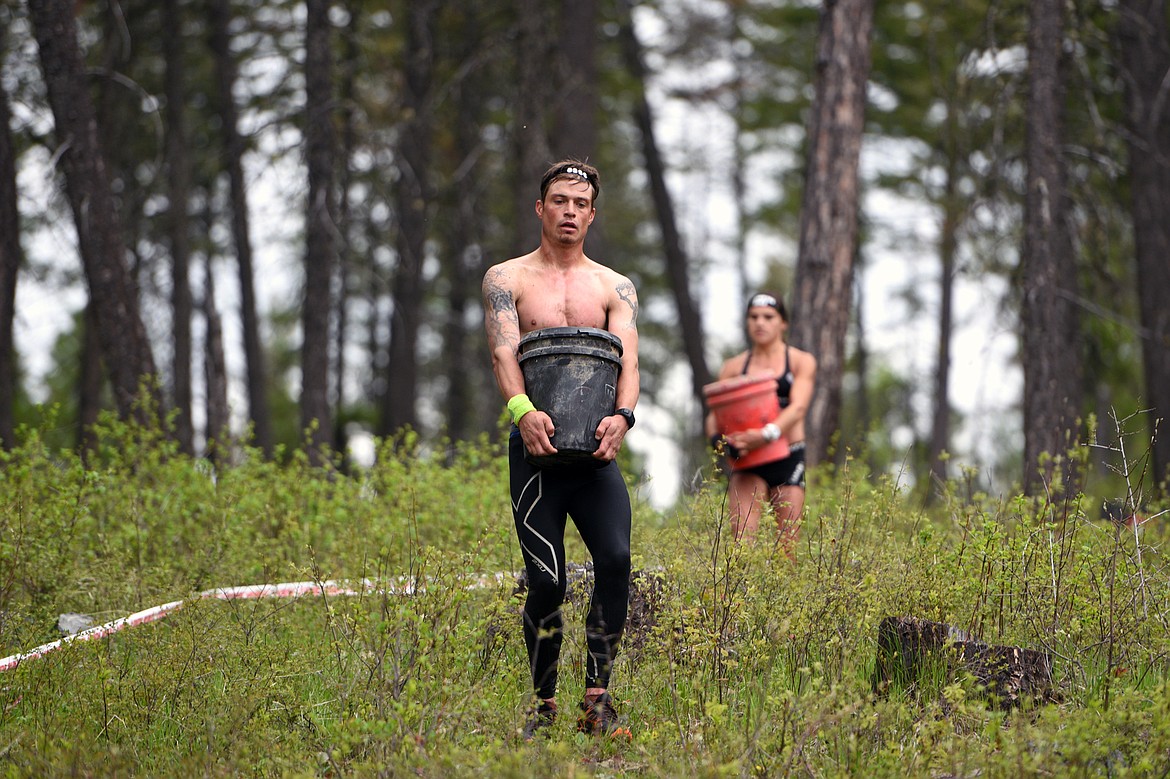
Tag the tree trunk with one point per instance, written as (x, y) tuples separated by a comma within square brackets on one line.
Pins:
[(461, 383), (575, 121), (463, 256), (320, 252), (112, 292), (1144, 43), (219, 434), (178, 166), (534, 93), (219, 14), (348, 93), (11, 258), (940, 426), (575, 118), (89, 384), (739, 188), (677, 263), (862, 360), (829, 212), (413, 193), (1051, 356)]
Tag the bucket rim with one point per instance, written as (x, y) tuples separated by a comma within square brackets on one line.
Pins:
[(568, 331), (581, 350), (736, 383)]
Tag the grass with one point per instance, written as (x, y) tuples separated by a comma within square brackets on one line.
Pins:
[(752, 666)]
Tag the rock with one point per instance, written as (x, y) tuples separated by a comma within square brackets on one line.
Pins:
[(74, 623)]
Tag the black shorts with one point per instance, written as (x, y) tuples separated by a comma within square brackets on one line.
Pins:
[(788, 472)]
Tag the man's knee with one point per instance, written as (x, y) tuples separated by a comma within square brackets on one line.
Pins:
[(545, 593), (613, 564)]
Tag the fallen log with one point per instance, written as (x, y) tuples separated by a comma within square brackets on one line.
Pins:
[(911, 650)]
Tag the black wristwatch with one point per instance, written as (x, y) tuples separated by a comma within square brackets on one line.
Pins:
[(627, 414)]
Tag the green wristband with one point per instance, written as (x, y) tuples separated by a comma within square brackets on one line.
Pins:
[(518, 406)]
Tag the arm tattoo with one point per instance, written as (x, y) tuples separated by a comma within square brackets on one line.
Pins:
[(500, 309), (626, 292)]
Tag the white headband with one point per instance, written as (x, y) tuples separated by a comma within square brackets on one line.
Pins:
[(764, 299)]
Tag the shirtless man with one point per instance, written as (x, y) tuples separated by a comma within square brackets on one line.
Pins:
[(558, 286)]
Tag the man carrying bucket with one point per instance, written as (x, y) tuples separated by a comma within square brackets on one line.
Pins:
[(767, 458), (557, 286)]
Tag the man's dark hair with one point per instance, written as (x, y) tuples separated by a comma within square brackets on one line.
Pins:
[(573, 169)]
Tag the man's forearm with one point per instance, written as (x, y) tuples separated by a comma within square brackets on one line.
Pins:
[(509, 377), (628, 390)]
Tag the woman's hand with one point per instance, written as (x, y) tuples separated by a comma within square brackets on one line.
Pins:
[(750, 440), (746, 440)]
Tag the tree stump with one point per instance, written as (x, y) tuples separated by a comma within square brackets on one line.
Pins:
[(910, 649)]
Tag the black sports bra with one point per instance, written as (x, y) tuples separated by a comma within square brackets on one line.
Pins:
[(783, 382)]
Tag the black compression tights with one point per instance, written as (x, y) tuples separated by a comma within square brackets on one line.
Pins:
[(598, 502)]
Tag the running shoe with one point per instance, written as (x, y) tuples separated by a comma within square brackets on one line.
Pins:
[(600, 718), (541, 717)]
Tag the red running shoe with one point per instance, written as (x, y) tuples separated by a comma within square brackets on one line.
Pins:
[(600, 718)]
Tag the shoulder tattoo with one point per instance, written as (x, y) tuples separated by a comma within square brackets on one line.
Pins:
[(625, 291), (499, 305)]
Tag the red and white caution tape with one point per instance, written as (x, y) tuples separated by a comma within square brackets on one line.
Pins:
[(147, 615), (404, 585)]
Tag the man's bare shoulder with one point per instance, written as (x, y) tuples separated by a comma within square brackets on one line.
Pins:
[(610, 276), (505, 274), (511, 264), (611, 279), (622, 296)]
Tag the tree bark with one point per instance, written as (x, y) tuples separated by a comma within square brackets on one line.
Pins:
[(677, 263), (463, 256), (178, 166), (912, 651), (534, 92), (862, 360), (575, 118), (11, 258), (347, 89), (1144, 44), (320, 227), (89, 384), (575, 121), (940, 426), (125, 348), (1052, 359), (219, 435), (829, 212), (413, 194), (219, 14), (739, 165)]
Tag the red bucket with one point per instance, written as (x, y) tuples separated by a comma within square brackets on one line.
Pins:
[(747, 403)]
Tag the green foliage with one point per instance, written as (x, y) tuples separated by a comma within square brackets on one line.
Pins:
[(751, 665)]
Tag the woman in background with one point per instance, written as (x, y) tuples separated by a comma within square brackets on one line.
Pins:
[(780, 483)]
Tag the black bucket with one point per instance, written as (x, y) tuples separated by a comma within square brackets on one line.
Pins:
[(571, 373)]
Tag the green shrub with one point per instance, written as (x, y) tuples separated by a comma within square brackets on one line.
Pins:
[(752, 664)]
